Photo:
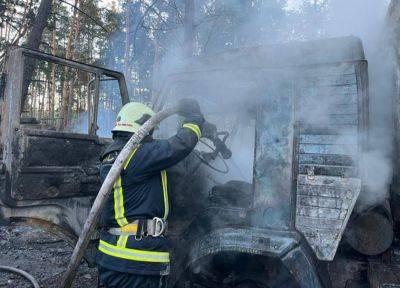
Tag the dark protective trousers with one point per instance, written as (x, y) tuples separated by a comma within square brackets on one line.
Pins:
[(115, 279)]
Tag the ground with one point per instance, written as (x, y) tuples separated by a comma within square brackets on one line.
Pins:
[(41, 254)]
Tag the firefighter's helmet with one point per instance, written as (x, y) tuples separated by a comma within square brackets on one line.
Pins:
[(132, 116)]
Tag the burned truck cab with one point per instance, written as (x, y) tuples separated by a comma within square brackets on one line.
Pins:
[(297, 115), (49, 174), (272, 214)]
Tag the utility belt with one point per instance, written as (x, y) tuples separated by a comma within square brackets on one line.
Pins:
[(155, 227)]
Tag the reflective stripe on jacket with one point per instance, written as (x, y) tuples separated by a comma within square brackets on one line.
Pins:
[(141, 192)]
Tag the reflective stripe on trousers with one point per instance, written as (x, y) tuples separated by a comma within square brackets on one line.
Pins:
[(133, 254)]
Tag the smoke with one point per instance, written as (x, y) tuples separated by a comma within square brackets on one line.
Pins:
[(378, 171), (306, 21), (366, 20), (229, 99), (237, 95)]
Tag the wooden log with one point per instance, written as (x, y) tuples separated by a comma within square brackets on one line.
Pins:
[(104, 192)]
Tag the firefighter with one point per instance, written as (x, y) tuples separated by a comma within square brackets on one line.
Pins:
[(133, 248)]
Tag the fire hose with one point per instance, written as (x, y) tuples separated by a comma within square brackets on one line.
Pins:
[(105, 190), (22, 273)]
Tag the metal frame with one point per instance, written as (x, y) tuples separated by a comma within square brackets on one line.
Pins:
[(99, 71), (57, 215), (16, 62)]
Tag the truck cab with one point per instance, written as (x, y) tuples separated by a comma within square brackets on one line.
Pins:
[(49, 172), (295, 117)]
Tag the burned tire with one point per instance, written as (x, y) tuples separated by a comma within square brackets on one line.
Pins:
[(238, 270)]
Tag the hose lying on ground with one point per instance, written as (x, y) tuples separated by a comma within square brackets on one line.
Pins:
[(22, 273), (105, 190)]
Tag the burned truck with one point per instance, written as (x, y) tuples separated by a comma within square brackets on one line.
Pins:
[(278, 212)]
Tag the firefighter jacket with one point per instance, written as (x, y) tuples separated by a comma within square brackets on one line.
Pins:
[(141, 192)]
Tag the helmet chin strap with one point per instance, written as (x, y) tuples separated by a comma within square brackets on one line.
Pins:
[(121, 134), (128, 135)]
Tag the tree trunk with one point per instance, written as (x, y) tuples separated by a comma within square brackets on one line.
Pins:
[(52, 96), (75, 84), (32, 106), (49, 101), (43, 98), (33, 42), (189, 33), (71, 92), (68, 55)]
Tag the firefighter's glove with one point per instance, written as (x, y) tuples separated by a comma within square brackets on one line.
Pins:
[(209, 131), (190, 109)]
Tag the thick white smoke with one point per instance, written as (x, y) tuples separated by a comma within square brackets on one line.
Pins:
[(300, 21), (366, 20)]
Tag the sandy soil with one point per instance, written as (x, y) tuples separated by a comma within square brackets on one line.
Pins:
[(41, 254)]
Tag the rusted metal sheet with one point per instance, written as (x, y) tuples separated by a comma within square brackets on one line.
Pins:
[(322, 216)]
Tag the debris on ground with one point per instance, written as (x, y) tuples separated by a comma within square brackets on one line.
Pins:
[(41, 254)]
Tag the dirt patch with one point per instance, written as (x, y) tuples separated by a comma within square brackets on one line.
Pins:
[(41, 254)]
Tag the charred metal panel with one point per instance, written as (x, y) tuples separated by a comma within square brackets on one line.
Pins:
[(47, 148), (273, 159), (323, 208), (232, 194), (53, 165), (333, 103), (327, 152), (10, 118), (331, 116)]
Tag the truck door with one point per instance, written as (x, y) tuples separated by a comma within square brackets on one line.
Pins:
[(51, 142)]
